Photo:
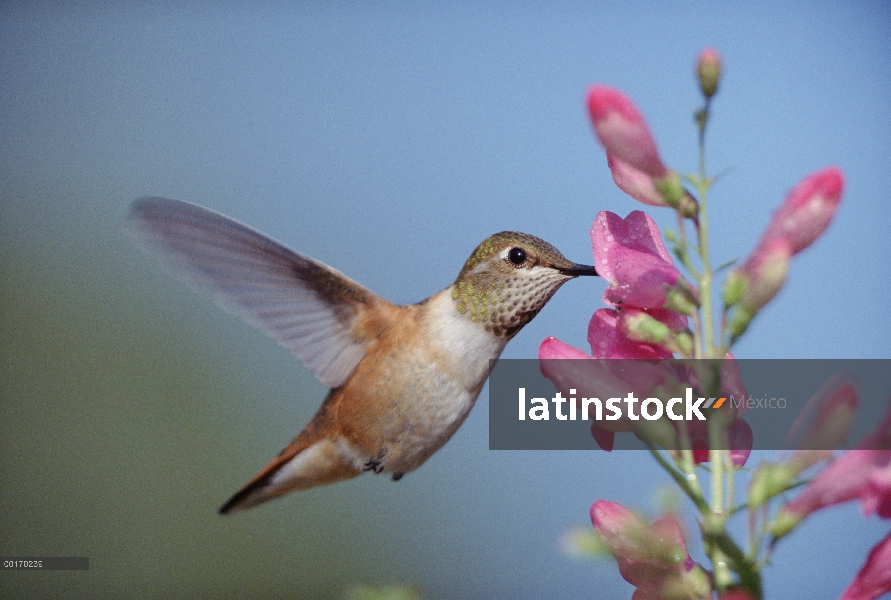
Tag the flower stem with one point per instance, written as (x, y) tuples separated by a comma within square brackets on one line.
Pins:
[(705, 277), (692, 491)]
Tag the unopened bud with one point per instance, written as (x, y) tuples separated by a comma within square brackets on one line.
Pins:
[(768, 481), (681, 298), (708, 68), (644, 328)]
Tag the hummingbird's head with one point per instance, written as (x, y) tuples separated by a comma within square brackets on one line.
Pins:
[(509, 278)]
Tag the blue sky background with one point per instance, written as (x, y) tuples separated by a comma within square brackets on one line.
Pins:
[(386, 141)]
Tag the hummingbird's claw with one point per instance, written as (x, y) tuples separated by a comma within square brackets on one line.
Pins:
[(374, 465)]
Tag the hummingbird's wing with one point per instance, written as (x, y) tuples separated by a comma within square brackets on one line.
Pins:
[(306, 306)]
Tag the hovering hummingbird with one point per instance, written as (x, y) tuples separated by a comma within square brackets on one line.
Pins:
[(402, 378)]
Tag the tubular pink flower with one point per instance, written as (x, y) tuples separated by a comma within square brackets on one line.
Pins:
[(860, 473), (827, 418), (600, 378), (651, 556), (623, 131), (630, 255), (843, 480), (807, 211), (874, 578)]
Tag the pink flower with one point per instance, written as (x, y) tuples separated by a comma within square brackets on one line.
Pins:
[(600, 378), (807, 211), (630, 255), (552, 348), (616, 377), (608, 341), (651, 556), (631, 152), (874, 578), (623, 131), (827, 418), (862, 473), (739, 437), (845, 479)]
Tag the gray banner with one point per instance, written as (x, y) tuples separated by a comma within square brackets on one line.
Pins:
[(787, 404)]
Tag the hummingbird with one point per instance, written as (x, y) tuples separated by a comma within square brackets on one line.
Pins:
[(402, 379)]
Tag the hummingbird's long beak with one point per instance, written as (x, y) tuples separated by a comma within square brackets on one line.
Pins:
[(579, 271)]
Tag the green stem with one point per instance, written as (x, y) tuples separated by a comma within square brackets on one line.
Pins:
[(747, 569), (705, 277), (681, 479)]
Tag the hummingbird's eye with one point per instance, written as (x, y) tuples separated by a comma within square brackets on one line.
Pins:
[(517, 256)]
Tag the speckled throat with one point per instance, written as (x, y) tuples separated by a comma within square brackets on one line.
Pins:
[(502, 294)]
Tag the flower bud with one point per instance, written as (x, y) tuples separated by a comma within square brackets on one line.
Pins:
[(760, 278), (807, 210), (681, 298), (754, 284), (623, 131), (768, 481), (708, 69), (643, 328)]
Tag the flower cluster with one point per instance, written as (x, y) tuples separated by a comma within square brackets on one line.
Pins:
[(650, 308)]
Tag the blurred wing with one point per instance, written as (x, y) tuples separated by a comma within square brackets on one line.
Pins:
[(306, 306)]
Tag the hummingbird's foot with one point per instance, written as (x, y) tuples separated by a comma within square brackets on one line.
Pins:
[(397, 476), (375, 464)]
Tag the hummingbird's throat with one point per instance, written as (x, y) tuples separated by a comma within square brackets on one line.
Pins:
[(505, 305)]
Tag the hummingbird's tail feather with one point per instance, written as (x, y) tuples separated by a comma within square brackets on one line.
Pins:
[(305, 463)]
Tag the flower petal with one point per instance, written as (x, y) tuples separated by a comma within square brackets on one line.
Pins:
[(634, 182), (623, 131), (629, 253), (874, 578), (608, 340)]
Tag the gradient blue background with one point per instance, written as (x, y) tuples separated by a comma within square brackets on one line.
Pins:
[(386, 141)]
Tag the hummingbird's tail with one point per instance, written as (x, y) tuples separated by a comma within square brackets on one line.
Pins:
[(306, 462)]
